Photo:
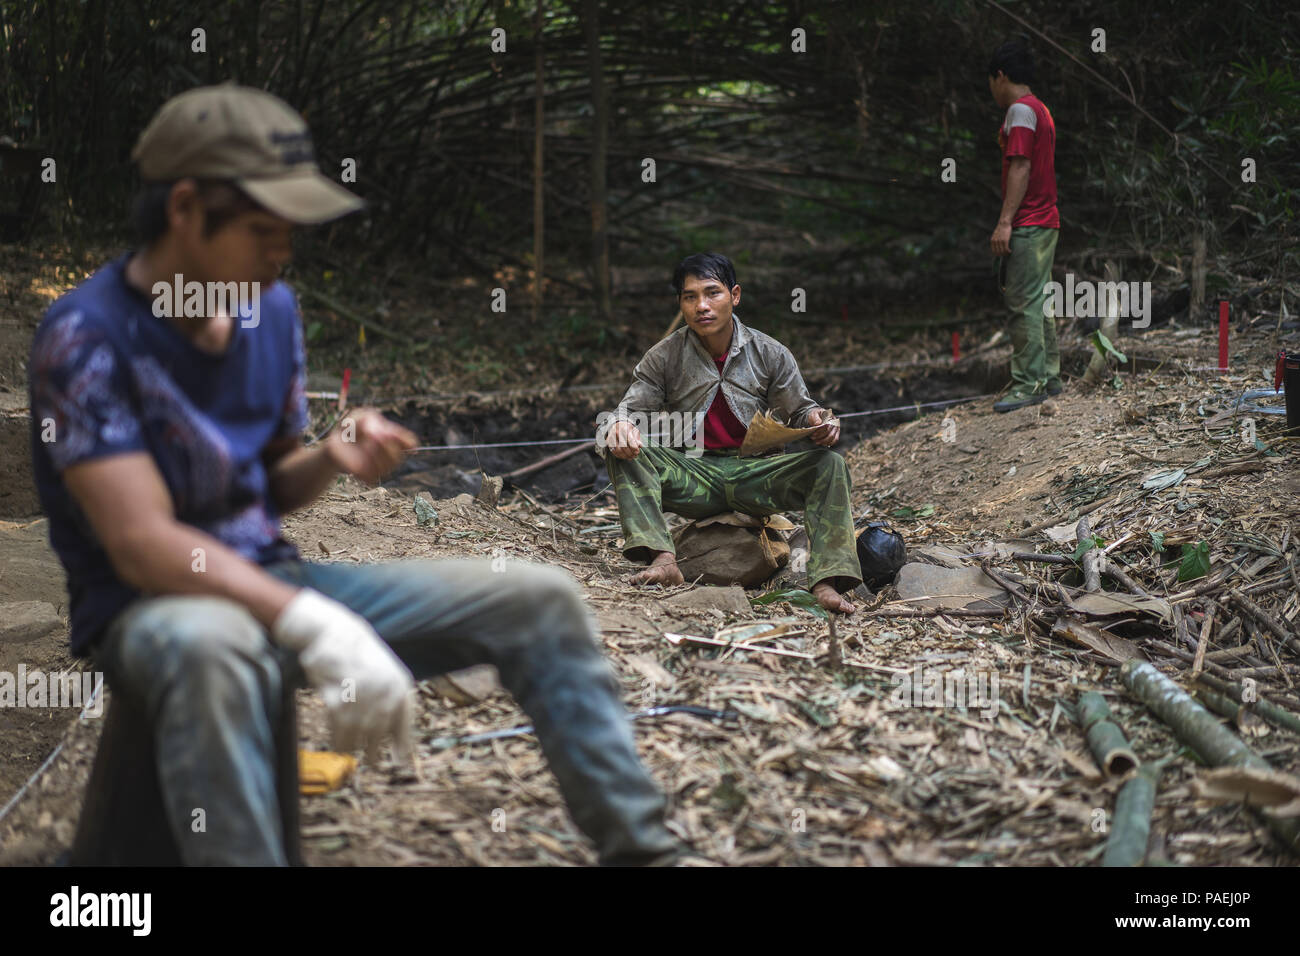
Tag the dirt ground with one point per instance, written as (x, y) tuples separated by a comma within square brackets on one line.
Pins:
[(818, 764)]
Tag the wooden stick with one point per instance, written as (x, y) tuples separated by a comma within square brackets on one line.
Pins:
[(547, 462), (331, 303), (677, 320), (1090, 508), (931, 612), (1204, 642), (1120, 575), (1262, 616), (1043, 558)]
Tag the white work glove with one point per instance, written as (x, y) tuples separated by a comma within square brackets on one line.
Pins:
[(367, 689)]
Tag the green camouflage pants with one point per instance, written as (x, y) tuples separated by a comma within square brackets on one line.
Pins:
[(1035, 357), (664, 479)]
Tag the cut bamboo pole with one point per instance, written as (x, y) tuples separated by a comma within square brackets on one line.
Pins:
[(1131, 830), (1274, 714), (1105, 737), (1201, 730)]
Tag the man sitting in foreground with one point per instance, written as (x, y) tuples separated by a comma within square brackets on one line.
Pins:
[(166, 447)]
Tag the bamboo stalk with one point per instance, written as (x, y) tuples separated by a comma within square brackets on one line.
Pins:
[(1105, 737), (1131, 831), (1199, 729), (1274, 714)]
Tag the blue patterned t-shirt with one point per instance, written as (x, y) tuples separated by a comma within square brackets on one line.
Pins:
[(108, 377)]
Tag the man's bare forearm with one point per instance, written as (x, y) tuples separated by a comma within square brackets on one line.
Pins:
[(298, 478), (169, 557), (1017, 186)]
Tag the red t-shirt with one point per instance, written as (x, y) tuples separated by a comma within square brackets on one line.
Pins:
[(722, 429), (1028, 130)]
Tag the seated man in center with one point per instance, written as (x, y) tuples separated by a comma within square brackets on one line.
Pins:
[(724, 371)]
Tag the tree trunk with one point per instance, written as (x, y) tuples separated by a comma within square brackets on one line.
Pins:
[(1196, 310), (539, 181), (599, 150)]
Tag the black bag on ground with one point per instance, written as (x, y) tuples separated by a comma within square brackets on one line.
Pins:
[(881, 552)]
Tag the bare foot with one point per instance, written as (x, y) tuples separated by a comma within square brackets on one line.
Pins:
[(830, 599), (662, 570)]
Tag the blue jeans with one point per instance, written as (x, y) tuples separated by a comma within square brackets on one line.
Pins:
[(210, 679)]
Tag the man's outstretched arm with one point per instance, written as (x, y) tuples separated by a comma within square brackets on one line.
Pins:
[(364, 444)]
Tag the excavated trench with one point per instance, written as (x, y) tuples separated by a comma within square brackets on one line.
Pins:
[(444, 473)]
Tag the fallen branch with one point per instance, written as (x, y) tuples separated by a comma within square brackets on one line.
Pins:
[(1268, 623), (546, 462), (1120, 575), (1093, 559), (1043, 558), (334, 305), (931, 612)]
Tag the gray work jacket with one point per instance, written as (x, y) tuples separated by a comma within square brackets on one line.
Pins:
[(679, 375)]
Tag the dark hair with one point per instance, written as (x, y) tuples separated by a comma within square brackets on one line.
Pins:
[(222, 201), (1014, 59), (705, 265)]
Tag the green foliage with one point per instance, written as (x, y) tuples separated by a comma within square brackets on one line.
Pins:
[(1104, 346), (796, 596), (1086, 545), (1196, 561), (908, 513)]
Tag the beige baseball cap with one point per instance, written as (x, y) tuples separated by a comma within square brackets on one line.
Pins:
[(249, 137)]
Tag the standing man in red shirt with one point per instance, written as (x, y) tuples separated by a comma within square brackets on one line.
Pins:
[(1025, 238)]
